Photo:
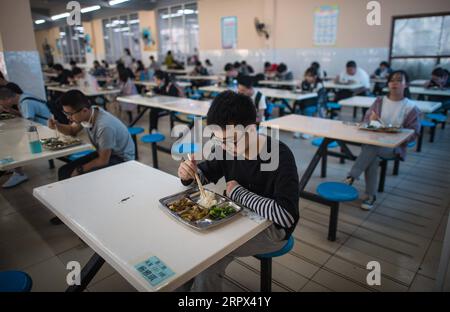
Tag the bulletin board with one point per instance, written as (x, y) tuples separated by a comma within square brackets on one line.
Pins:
[(229, 32), (326, 20)]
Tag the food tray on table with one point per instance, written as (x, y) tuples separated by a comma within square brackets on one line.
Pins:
[(6, 116), (184, 207), (56, 144), (387, 129)]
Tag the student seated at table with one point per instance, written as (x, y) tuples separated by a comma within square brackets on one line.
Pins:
[(440, 79), (165, 85), (320, 72), (169, 60), (245, 87), (313, 83), (283, 73), (352, 75), (231, 74), (274, 194), (98, 70), (74, 67), (153, 67), (84, 80), (382, 72), (209, 67), (269, 73), (127, 87), (64, 75), (141, 72), (199, 70), (29, 107), (394, 109), (105, 64), (246, 69)]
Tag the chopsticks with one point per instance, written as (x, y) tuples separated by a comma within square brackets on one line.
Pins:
[(199, 183)]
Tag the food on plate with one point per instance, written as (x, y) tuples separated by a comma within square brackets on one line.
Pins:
[(375, 124), (220, 212), (181, 205), (194, 213), (57, 143), (207, 199)]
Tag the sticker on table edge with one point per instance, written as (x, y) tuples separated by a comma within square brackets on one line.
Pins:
[(154, 270), (6, 160)]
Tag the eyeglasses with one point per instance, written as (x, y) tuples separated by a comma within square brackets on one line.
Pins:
[(67, 114)]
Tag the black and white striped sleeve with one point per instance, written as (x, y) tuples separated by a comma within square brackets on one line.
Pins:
[(265, 207)]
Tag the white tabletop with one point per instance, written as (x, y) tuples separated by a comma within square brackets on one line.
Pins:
[(50, 74), (170, 103), (178, 71), (85, 91), (148, 83), (334, 85), (14, 143), (418, 82), (337, 130), (268, 92), (126, 233), (366, 102), (425, 91), (286, 83), (189, 77), (378, 80)]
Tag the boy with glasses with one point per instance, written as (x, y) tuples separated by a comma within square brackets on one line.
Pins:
[(272, 194), (108, 134)]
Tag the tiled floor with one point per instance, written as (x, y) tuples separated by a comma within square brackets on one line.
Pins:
[(404, 233)]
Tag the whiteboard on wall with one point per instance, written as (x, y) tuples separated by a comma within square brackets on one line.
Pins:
[(229, 32), (325, 25)]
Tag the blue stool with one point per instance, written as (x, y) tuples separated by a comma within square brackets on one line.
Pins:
[(15, 281), (318, 141), (334, 193), (266, 264), (438, 119), (332, 107), (134, 131), (412, 144), (192, 117), (153, 139), (310, 111), (75, 156), (185, 148), (426, 124)]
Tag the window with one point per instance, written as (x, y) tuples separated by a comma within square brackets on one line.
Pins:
[(121, 32), (178, 30), (420, 43), (72, 43)]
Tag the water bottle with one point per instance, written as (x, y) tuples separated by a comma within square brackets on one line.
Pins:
[(33, 140)]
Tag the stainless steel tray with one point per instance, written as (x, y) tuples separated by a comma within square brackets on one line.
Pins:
[(55, 144), (193, 195)]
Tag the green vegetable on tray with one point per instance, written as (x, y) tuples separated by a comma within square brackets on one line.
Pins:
[(221, 212)]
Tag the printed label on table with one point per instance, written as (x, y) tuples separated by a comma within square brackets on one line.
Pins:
[(6, 160), (154, 270)]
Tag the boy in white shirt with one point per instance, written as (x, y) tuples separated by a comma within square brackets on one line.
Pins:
[(352, 75)]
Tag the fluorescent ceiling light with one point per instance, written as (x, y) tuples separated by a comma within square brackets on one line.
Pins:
[(90, 9), (59, 16), (40, 21), (114, 2)]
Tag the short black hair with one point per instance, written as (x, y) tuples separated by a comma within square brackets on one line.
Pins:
[(96, 63), (351, 64), (440, 72), (75, 99), (6, 93), (123, 75), (385, 64), (281, 68), (312, 71), (198, 63), (315, 65), (58, 67), (236, 64), (161, 75), (72, 63), (230, 108), (246, 81), (76, 71), (267, 64), (14, 87), (228, 67)]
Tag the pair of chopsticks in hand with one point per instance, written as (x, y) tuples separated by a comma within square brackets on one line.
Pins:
[(197, 178)]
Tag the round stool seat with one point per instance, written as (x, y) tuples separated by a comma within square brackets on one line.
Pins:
[(185, 148), (310, 110), (135, 130), (334, 106), (75, 156), (427, 123), (411, 144), (286, 248), (15, 281), (337, 192), (437, 117), (153, 138), (318, 141)]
